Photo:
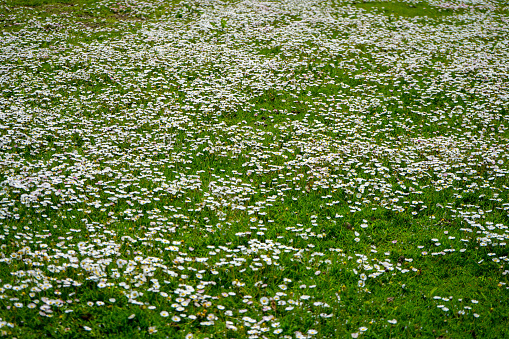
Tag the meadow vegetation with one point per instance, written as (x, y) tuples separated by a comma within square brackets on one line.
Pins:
[(254, 169)]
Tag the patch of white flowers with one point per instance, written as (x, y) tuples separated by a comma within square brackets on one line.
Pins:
[(114, 151)]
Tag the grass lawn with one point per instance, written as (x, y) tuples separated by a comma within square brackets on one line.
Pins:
[(247, 169)]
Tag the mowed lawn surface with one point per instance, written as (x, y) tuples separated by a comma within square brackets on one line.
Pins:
[(254, 169)]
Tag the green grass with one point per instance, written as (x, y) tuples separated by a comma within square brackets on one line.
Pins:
[(89, 13), (402, 9), (313, 167), (38, 3)]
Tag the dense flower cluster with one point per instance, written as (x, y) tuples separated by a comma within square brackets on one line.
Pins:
[(179, 165)]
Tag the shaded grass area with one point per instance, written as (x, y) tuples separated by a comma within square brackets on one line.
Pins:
[(36, 3), (79, 11), (402, 9), (86, 13)]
